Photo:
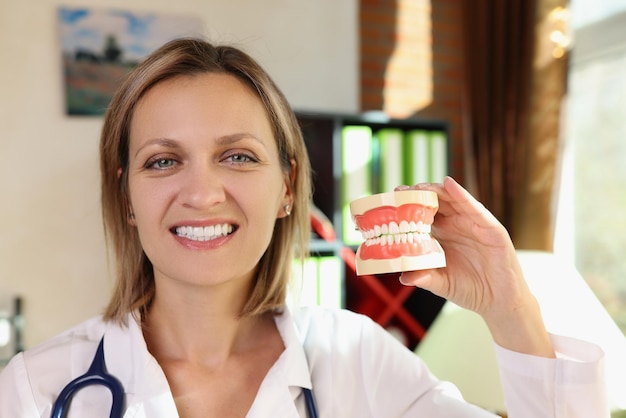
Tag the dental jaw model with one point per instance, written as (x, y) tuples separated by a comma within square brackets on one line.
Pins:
[(396, 232)]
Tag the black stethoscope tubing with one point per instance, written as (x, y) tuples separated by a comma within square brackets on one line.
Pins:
[(97, 375), (309, 400)]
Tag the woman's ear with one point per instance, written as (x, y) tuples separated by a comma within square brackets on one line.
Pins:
[(288, 198), (129, 208), (292, 177)]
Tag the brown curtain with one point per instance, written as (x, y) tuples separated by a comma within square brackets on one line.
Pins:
[(536, 206), (499, 38), (500, 123)]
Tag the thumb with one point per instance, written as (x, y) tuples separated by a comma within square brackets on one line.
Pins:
[(415, 278), (431, 280)]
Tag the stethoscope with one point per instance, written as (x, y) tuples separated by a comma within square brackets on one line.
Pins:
[(97, 375)]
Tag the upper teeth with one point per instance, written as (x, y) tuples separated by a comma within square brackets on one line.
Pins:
[(393, 229), (411, 237), (206, 233)]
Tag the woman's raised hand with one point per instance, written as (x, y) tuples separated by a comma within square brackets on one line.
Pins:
[(482, 272)]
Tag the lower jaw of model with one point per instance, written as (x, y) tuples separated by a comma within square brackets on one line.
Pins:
[(396, 232)]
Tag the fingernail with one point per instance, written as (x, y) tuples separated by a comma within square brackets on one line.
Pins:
[(402, 281)]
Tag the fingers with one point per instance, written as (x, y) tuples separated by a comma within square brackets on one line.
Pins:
[(431, 280), (448, 191), (440, 188), (454, 199), (412, 278), (461, 198)]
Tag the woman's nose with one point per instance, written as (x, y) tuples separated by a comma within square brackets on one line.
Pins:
[(202, 187)]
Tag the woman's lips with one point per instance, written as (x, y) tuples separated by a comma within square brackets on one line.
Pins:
[(206, 233)]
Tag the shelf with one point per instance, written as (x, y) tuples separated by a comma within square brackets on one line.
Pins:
[(382, 297), (320, 246)]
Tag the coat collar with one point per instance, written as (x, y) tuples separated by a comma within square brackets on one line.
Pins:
[(298, 372), (147, 390), (127, 357)]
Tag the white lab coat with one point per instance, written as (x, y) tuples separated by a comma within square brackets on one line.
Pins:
[(355, 367)]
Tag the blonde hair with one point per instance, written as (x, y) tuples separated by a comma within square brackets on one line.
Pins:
[(134, 287)]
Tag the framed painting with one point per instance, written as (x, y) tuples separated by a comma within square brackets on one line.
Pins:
[(100, 46)]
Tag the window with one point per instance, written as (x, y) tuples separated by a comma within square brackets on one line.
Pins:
[(591, 224)]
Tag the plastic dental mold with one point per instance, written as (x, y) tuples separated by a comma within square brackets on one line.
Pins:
[(396, 229)]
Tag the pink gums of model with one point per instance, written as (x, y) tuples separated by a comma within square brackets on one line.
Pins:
[(396, 230)]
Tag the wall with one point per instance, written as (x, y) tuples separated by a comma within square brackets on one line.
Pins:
[(52, 251), (412, 63)]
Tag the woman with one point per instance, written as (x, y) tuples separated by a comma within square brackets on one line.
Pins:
[(205, 193)]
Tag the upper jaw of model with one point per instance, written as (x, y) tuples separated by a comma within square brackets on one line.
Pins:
[(396, 231)]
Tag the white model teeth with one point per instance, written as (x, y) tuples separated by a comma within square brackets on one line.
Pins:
[(393, 229), (411, 237), (206, 233), (392, 233)]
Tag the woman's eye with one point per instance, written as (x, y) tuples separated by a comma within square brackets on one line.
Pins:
[(241, 158), (161, 163)]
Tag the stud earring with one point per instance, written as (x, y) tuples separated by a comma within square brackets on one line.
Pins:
[(287, 209)]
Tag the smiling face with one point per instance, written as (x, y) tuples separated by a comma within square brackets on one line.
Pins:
[(205, 182)]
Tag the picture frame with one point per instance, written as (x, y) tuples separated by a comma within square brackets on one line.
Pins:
[(100, 46)]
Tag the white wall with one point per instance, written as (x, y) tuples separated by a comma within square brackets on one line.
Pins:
[(51, 244)]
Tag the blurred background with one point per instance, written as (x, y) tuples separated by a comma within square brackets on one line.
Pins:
[(533, 92)]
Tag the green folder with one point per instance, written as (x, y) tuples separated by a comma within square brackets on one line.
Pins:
[(416, 156), (390, 159), (438, 156), (356, 178)]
